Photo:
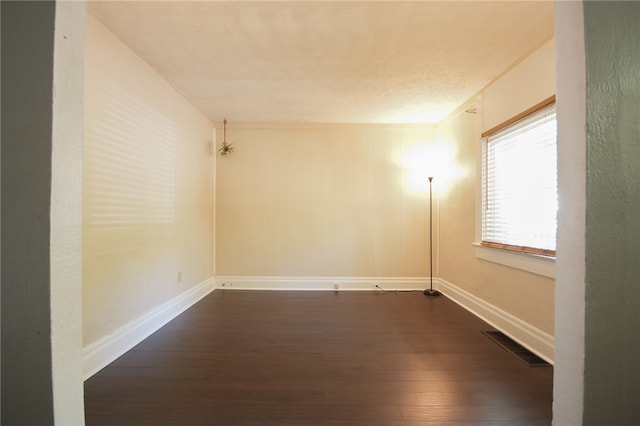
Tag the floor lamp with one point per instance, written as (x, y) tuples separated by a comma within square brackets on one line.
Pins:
[(430, 291)]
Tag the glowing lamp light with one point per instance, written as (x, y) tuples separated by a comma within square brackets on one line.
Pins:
[(424, 161)]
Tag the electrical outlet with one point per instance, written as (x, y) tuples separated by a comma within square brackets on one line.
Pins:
[(179, 277), (336, 286), (226, 285)]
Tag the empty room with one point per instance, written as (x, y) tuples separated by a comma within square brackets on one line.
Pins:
[(320, 213)]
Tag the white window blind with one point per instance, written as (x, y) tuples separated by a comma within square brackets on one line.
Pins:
[(520, 184)]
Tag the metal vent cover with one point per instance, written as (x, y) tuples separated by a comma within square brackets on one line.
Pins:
[(513, 347)]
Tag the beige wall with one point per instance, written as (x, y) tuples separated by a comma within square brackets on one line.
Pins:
[(519, 88), (292, 200), (321, 201), (147, 190), (527, 296)]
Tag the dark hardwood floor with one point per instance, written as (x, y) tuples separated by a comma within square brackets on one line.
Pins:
[(320, 358)]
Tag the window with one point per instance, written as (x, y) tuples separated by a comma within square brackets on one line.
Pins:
[(519, 179)]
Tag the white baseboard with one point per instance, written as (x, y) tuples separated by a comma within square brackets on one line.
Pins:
[(101, 353), (534, 339), (320, 283)]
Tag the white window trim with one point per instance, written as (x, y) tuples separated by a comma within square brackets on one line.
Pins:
[(536, 264)]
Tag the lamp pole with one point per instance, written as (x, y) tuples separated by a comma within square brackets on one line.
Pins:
[(430, 291)]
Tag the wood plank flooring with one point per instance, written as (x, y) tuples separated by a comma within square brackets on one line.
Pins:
[(320, 358)]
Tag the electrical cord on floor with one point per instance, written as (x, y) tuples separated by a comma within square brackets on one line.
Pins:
[(393, 291)]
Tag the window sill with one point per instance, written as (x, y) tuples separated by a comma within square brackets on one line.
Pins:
[(536, 264)]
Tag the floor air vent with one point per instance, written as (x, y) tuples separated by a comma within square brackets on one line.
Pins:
[(524, 354)]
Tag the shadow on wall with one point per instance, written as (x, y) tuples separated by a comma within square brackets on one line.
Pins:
[(129, 173)]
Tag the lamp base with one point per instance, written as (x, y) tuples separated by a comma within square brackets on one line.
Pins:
[(432, 293)]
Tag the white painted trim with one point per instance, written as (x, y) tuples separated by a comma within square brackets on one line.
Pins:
[(540, 265), (320, 283), (99, 354), (570, 290), (534, 339), (65, 243)]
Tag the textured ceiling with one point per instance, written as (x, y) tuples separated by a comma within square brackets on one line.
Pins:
[(329, 62)]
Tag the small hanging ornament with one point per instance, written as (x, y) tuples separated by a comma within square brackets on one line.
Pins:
[(226, 148)]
